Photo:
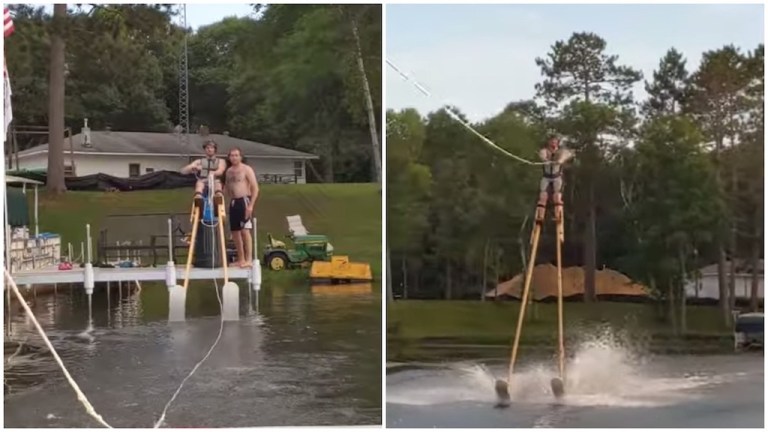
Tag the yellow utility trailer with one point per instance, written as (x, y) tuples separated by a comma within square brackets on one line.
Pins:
[(339, 269), (355, 288)]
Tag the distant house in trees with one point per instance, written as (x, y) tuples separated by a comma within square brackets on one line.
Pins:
[(130, 154), (706, 285)]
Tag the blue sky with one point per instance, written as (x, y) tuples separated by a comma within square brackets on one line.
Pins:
[(203, 14), (481, 57)]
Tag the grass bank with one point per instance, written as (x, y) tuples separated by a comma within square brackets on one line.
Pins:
[(420, 329), (350, 214)]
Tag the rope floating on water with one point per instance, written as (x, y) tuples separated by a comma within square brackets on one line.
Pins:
[(215, 342), (80, 395), (194, 369), (453, 115)]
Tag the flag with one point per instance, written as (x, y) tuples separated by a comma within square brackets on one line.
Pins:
[(7, 22), (8, 113)]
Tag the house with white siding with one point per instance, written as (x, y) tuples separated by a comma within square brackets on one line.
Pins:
[(131, 154), (706, 285)]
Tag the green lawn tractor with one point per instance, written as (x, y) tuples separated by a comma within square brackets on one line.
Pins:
[(305, 250), (314, 250)]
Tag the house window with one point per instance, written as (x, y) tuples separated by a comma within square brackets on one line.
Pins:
[(134, 170), (149, 170), (298, 169)]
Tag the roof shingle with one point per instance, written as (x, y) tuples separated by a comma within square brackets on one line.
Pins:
[(168, 143)]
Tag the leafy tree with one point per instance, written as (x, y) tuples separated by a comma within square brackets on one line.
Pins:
[(290, 77), (591, 95), (408, 189), (716, 99), (674, 208), (666, 92)]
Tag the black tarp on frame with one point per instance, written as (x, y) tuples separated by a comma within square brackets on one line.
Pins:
[(102, 182)]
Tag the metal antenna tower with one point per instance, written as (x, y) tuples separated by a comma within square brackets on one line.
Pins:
[(183, 126)]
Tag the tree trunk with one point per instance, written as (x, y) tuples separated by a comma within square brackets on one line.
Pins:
[(658, 306), (405, 280), (368, 102), (496, 276), (485, 267), (732, 242), (757, 245), (590, 248), (390, 294), (732, 273), (672, 317), (312, 168), (721, 276), (55, 180), (723, 283), (417, 280), (683, 295), (447, 280), (330, 175)]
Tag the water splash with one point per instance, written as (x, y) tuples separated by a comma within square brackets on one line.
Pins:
[(604, 369)]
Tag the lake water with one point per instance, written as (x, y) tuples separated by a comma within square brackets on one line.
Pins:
[(300, 355), (607, 386)]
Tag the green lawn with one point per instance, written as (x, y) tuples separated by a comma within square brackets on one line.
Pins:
[(425, 322), (350, 214)]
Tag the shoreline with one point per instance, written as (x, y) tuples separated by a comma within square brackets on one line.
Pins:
[(435, 329), (425, 349)]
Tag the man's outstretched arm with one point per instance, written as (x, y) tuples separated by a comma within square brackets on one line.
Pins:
[(564, 155), (193, 167), (543, 154)]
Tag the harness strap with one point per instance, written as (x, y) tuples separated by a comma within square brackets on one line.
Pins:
[(554, 170), (208, 165)]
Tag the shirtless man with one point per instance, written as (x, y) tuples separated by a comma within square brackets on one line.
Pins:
[(202, 167), (243, 190)]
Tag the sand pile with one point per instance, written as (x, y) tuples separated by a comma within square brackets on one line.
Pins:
[(544, 283)]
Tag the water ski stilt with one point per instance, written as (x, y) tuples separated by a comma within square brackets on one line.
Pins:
[(177, 294), (502, 387), (502, 394), (230, 292), (558, 384), (558, 387)]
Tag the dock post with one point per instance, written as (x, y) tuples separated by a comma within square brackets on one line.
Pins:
[(10, 310), (170, 269), (89, 279), (256, 265)]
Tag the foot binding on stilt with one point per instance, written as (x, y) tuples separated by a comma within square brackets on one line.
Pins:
[(557, 216), (198, 200), (558, 389), (218, 199), (502, 394)]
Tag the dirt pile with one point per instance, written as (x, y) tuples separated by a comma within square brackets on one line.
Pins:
[(544, 283)]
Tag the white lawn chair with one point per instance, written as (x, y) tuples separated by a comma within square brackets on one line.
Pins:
[(295, 226)]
